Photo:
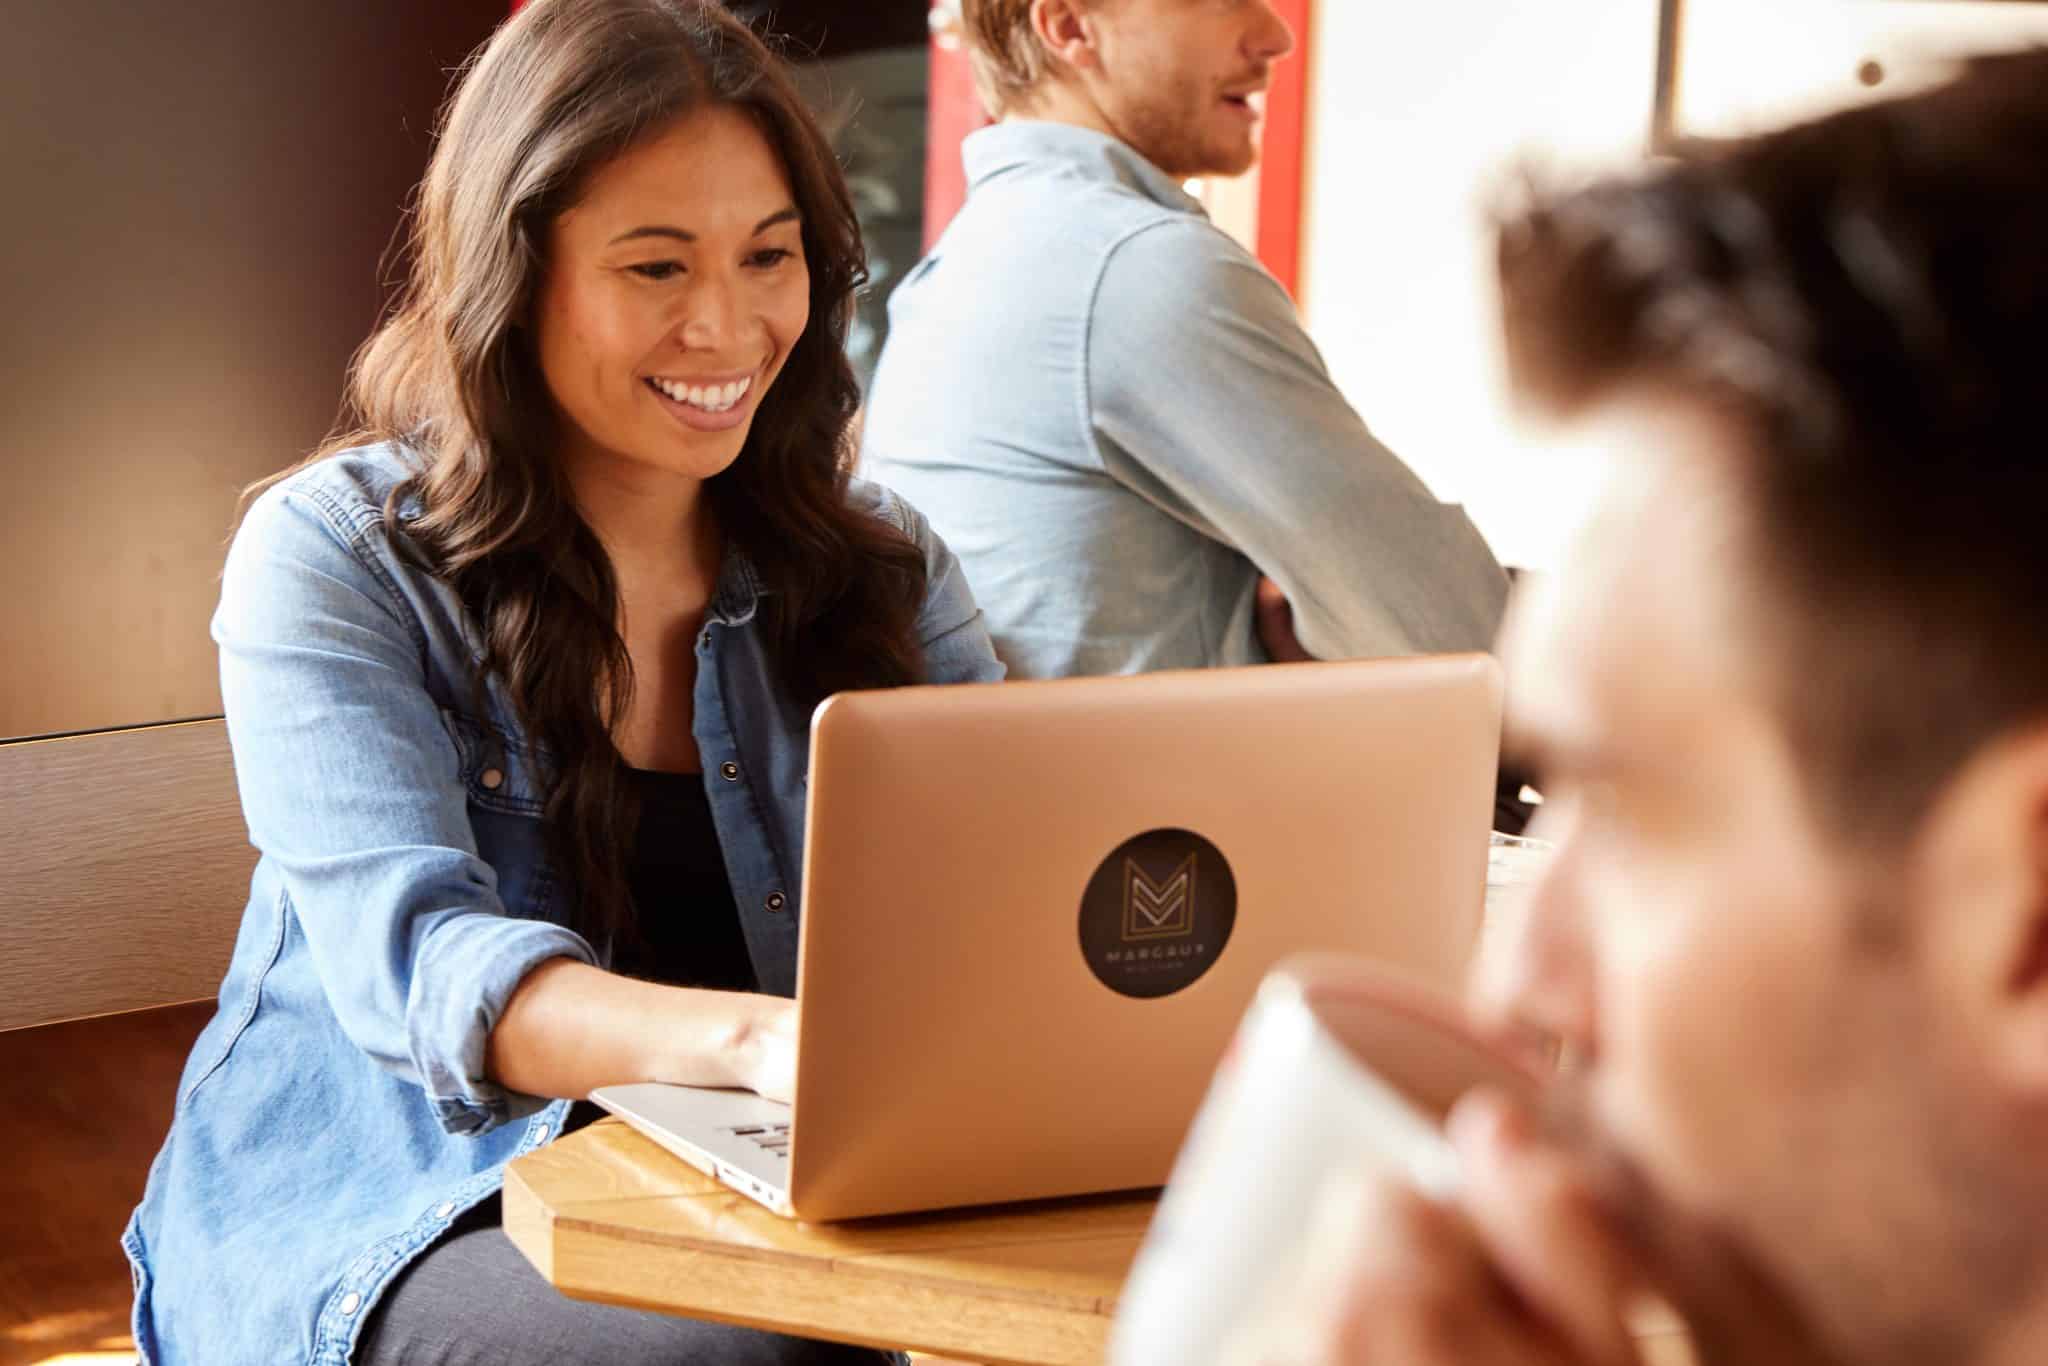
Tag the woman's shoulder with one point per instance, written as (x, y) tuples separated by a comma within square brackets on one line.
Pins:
[(328, 516), (317, 547), (881, 501), (956, 642), (350, 488)]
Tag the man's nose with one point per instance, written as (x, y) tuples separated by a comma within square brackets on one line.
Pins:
[(1533, 976), (1272, 39)]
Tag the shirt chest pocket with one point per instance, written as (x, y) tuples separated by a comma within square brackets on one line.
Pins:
[(506, 797)]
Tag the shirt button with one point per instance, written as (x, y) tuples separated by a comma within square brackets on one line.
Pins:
[(351, 1302), (492, 779), (540, 1134), (443, 1210), (776, 901), (729, 771)]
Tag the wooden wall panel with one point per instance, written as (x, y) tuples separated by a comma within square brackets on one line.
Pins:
[(127, 867)]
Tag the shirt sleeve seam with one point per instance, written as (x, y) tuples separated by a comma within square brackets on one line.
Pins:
[(1086, 409), (1208, 233), (940, 637), (337, 522)]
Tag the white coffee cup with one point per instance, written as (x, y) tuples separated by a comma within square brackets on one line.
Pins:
[(1339, 1069)]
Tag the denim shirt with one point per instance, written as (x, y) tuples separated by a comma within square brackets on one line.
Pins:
[(336, 1115), (1111, 412)]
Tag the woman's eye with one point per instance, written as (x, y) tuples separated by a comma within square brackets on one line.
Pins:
[(657, 270), (773, 256)]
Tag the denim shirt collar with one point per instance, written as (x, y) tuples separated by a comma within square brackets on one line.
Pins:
[(739, 591), (1004, 147), (734, 599)]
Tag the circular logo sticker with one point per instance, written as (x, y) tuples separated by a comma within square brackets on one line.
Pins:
[(1157, 913)]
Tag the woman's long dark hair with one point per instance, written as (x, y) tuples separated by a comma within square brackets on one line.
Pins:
[(562, 88)]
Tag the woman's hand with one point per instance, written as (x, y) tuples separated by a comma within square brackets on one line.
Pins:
[(571, 1028), (764, 1051)]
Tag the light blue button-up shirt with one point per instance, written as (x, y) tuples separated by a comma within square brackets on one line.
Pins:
[(336, 1114), (1112, 414)]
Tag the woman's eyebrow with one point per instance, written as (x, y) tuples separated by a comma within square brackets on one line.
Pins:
[(788, 215)]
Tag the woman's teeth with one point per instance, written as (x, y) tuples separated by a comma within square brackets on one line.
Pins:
[(717, 398)]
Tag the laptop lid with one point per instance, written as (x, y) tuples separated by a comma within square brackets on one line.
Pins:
[(1034, 912)]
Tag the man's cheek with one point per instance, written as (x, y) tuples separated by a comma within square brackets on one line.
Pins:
[(1667, 1075)]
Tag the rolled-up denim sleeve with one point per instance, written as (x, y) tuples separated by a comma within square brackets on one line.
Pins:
[(1209, 400), (951, 627), (351, 785)]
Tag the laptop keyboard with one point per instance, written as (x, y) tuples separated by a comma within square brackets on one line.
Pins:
[(769, 1138)]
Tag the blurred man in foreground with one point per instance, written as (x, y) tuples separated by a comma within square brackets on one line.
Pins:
[(1790, 704)]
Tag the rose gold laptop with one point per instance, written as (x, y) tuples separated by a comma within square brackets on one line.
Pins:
[(1034, 912)]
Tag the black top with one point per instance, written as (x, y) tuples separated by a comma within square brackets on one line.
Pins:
[(688, 926), (835, 28)]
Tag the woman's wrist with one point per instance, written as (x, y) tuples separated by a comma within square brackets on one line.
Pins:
[(709, 1038), (746, 1050)]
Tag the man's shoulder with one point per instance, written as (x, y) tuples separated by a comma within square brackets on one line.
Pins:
[(1055, 206), (1169, 286), (1106, 247), (1184, 250)]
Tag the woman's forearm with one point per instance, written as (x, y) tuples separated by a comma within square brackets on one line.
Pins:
[(570, 1028)]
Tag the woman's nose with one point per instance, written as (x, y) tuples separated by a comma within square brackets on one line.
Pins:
[(712, 316)]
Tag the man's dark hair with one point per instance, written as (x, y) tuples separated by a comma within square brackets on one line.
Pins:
[(1864, 300)]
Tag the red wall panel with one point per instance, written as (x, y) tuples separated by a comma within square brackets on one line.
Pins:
[(955, 112), (1285, 151)]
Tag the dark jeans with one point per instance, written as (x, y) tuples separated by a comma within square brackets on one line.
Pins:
[(472, 1300)]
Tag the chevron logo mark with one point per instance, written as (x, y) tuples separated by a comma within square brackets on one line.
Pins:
[(1159, 910)]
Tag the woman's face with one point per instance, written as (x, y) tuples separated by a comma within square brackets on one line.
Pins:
[(672, 294)]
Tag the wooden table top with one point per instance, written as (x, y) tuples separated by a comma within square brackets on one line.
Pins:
[(608, 1215)]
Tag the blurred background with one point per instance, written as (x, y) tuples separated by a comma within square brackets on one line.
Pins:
[(205, 193)]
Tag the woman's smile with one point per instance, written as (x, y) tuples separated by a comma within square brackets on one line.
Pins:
[(707, 404)]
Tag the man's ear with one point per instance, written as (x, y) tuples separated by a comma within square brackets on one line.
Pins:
[(2026, 970), (1066, 30), (1983, 906)]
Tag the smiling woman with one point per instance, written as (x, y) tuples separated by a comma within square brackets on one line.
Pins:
[(642, 321), (518, 675)]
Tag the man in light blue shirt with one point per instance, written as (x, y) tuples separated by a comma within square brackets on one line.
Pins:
[(1108, 407)]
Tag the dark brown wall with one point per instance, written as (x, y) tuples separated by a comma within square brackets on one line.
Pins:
[(197, 195)]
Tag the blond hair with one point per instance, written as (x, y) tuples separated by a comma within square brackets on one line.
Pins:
[(1007, 58)]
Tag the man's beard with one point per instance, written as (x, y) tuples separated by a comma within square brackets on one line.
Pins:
[(1876, 1286), (1169, 134), (1736, 1312)]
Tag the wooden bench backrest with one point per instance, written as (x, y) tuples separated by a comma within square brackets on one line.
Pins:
[(124, 866)]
